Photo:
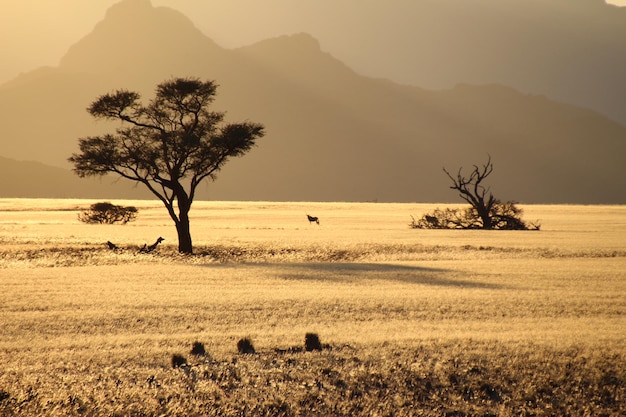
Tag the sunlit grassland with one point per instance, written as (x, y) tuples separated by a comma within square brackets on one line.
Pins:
[(421, 322)]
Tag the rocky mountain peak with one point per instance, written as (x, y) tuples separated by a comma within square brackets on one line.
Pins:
[(136, 35)]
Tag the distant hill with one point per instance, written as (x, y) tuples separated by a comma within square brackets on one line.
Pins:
[(29, 179), (331, 133), (573, 51)]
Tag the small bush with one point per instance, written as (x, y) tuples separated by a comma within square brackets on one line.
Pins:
[(107, 213), (503, 216), (198, 349), (178, 361), (4, 395), (245, 346), (312, 342)]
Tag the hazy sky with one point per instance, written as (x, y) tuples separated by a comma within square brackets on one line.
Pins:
[(34, 33)]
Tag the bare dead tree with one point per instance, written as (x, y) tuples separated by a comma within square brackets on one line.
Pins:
[(485, 211), (471, 190)]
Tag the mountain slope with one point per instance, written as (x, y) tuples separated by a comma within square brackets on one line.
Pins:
[(29, 179), (331, 133), (570, 50), (573, 51)]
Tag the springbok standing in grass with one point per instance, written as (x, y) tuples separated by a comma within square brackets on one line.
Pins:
[(148, 249), (313, 219)]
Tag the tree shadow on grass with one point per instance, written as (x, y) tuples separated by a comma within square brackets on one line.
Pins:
[(359, 272)]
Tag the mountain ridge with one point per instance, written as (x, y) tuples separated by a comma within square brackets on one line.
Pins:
[(60, 183), (332, 133), (132, 31), (573, 51)]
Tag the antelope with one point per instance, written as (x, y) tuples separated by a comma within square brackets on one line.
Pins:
[(432, 220), (112, 245), (148, 249), (313, 219)]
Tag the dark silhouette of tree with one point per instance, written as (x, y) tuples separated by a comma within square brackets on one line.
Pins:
[(107, 213), (471, 190), (485, 211), (169, 145)]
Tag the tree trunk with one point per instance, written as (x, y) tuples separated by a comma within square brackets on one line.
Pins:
[(184, 236), (484, 211), (486, 218), (182, 225)]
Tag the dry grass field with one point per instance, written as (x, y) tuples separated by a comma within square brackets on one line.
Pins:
[(414, 322)]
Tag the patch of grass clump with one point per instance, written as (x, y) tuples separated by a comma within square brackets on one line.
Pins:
[(178, 361), (198, 349), (312, 342), (4, 395), (245, 346)]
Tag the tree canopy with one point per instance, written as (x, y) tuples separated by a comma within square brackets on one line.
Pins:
[(170, 145)]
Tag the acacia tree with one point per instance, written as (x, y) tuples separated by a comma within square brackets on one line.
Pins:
[(107, 213), (169, 145)]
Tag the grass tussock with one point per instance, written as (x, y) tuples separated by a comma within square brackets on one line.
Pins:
[(198, 349), (178, 360), (245, 346), (312, 342)]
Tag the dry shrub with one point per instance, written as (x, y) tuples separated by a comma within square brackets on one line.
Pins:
[(198, 349), (178, 361), (4, 395), (107, 213), (312, 342), (245, 346)]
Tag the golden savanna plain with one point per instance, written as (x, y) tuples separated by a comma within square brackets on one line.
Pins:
[(412, 322)]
